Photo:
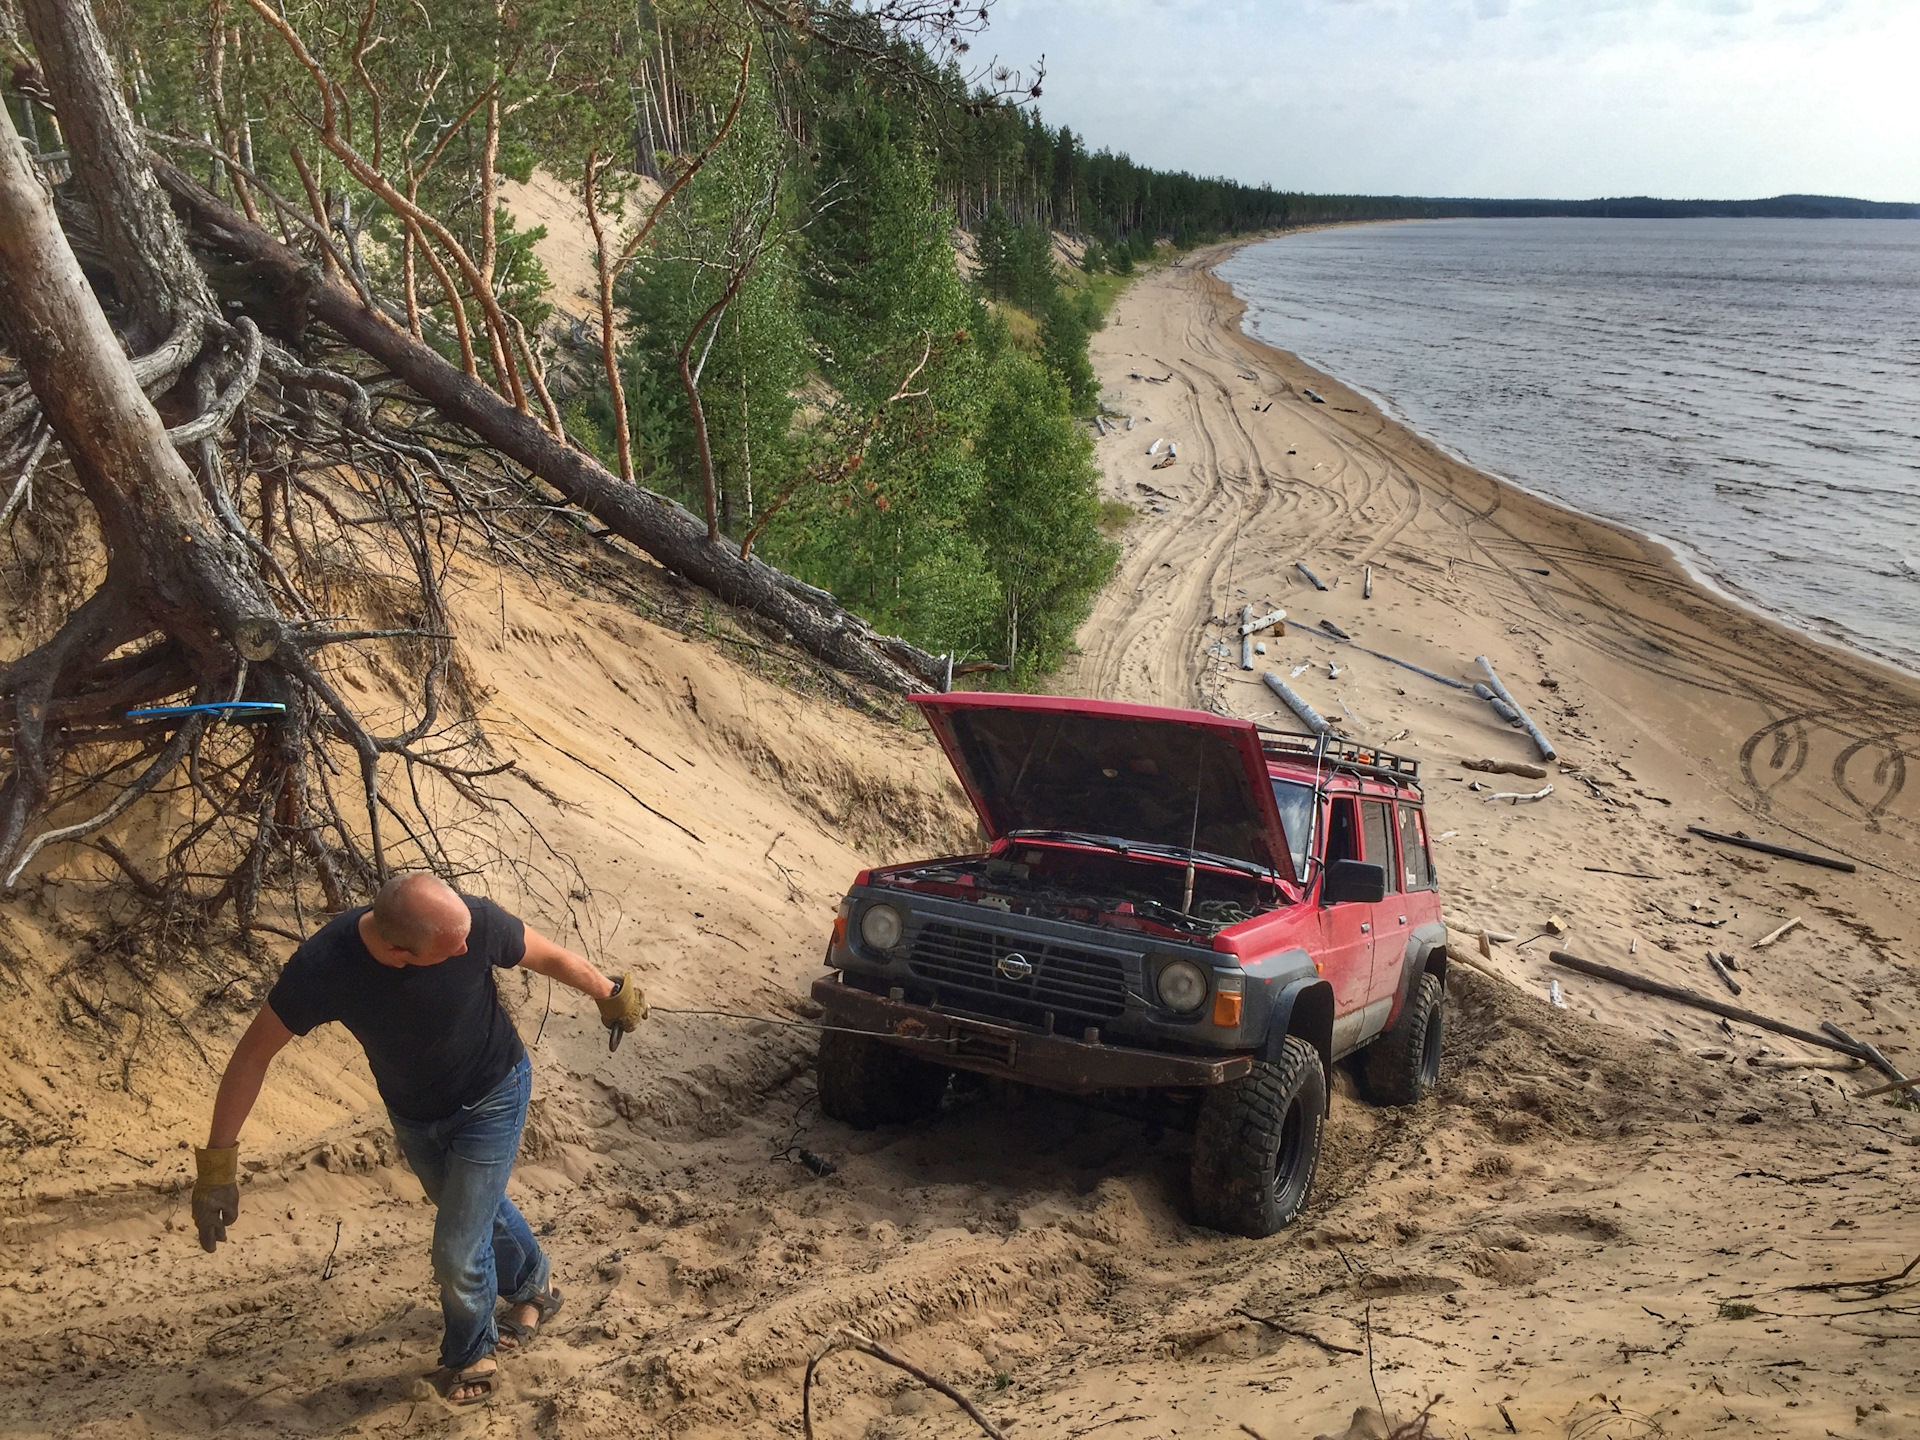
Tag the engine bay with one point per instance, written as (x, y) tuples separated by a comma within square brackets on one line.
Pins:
[(1112, 890)]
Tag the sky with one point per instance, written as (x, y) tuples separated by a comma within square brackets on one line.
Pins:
[(1694, 99)]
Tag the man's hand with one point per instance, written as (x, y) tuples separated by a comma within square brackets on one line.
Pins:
[(216, 1194), (623, 1010)]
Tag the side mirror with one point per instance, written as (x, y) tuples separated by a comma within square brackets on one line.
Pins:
[(1350, 881)]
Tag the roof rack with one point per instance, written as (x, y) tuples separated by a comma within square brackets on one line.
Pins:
[(1343, 755)]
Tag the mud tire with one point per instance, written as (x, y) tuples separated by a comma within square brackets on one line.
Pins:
[(1257, 1144), (1404, 1064), (865, 1083)]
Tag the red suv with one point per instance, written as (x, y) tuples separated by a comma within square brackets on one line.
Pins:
[(1185, 915)]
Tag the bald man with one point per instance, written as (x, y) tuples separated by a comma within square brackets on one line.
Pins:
[(411, 976)]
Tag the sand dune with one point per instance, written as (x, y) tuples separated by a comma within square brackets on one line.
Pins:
[(1594, 1229)]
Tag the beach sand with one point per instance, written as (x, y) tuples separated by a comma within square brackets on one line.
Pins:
[(1593, 1229)]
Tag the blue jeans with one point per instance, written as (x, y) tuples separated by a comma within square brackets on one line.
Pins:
[(483, 1249)]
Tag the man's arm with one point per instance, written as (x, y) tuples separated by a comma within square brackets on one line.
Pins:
[(240, 1086), (216, 1186), (543, 957), (622, 1006)]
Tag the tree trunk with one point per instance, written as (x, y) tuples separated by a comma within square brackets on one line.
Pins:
[(160, 283), (171, 567), (666, 531)]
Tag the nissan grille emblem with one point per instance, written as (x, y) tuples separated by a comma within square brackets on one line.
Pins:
[(1015, 967)]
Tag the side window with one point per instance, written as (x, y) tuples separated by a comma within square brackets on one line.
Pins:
[(1418, 864), (1377, 823), (1343, 838)]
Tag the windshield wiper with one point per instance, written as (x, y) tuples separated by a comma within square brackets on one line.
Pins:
[(1128, 847), (1207, 857), (1077, 837)]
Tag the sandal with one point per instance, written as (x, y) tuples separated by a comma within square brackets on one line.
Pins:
[(516, 1336), (446, 1380)]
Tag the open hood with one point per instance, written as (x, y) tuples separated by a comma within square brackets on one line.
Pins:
[(1132, 772)]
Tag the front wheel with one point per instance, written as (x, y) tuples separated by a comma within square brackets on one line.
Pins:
[(865, 1082), (1257, 1143), (1404, 1064)]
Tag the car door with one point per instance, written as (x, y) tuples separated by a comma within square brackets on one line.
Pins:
[(1346, 932), (1389, 917)]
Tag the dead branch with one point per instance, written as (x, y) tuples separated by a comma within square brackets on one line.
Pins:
[(848, 1339), (1285, 1329)]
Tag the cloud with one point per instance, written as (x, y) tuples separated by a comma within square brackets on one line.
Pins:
[(1539, 97)]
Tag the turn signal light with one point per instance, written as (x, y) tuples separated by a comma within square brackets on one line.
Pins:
[(839, 930), (1226, 1009)]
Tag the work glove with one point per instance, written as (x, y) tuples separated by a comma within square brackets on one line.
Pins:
[(216, 1194), (622, 1011)]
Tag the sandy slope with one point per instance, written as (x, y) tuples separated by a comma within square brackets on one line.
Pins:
[(1556, 1233)]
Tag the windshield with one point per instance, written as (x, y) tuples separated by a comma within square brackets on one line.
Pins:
[(1296, 818)]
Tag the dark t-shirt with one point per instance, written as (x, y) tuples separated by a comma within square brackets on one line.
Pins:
[(435, 1035)]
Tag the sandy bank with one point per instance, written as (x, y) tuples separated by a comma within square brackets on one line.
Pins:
[(1670, 705)]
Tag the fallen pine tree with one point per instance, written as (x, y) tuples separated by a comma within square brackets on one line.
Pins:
[(665, 530)]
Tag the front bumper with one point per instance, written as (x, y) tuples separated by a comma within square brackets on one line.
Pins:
[(1056, 1062)]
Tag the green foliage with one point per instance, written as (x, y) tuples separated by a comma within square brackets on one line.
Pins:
[(961, 514), (1064, 328), (1016, 262), (1039, 516)]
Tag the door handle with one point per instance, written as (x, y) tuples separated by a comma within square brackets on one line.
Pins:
[(1365, 928), (1403, 919)]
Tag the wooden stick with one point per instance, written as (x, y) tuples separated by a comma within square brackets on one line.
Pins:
[(1272, 1324), (1805, 857), (1474, 962), (1366, 585), (1334, 632), (1852, 1062), (1887, 1089), (1246, 637), (1301, 566), (1867, 1052), (1547, 752), (1721, 970), (853, 1340), (1773, 935), (1680, 995), (1254, 627)]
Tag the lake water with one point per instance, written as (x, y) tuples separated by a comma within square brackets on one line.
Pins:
[(1747, 390)]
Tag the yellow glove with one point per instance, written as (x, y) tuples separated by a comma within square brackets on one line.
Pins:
[(216, 1194), (623, 1010)]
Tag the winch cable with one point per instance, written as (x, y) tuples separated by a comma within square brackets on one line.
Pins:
[(813, 1025)]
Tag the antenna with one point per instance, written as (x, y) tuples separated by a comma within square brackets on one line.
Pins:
[(1193, 835)]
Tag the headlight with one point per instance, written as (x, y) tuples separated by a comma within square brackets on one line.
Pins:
[(1182, 986), (880, 927)]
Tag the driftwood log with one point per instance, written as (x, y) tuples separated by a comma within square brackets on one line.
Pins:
[(1767, 847), (1682, 996), (1308, 716), (1547, 752)]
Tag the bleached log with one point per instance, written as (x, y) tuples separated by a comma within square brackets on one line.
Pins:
[(1308, 716), (1547, 752)]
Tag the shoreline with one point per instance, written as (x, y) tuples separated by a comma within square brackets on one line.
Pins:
[(1684, 666), (1671, 706), (1691, 562)]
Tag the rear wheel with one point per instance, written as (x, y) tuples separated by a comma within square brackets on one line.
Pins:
[(1257, 1143), (866, 1082), (1404, 1064)]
